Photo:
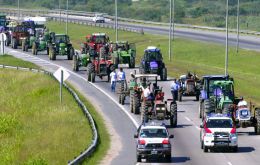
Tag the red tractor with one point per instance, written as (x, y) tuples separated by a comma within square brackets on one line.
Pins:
[(98, 56), (97, 42)]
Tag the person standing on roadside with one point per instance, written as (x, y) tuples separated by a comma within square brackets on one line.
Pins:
[(121, 75), (113, 78), (174, 89)]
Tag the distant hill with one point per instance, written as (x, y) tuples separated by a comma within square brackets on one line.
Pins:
[(198, 12)]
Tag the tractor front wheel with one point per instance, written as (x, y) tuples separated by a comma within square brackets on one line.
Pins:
[(173, 117), (52, 54), (34, 49), (91, 72)]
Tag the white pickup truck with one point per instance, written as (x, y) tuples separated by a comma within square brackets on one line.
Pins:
[(99, 18)]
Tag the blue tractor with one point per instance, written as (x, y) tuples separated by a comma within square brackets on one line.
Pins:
[(152, 63)]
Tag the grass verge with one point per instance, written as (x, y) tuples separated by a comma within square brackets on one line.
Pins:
[(34, 127), (189, 55)]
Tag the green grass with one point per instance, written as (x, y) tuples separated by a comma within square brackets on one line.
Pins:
[(189, 55), (10, 60), (104, 138), (35, 128)]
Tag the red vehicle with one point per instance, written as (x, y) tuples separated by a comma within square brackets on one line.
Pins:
[(96, 43), (98, 53)]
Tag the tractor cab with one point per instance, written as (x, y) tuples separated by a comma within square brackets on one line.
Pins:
[(152, 54)]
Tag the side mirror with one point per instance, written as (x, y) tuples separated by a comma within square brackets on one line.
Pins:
[(135, 136), (201, 125), (171, 136)]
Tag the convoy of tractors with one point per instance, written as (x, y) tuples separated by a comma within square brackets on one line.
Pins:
[(99, 56)]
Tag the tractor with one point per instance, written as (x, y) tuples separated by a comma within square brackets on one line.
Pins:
[(152, 63), (41, 42), (96, 45), (36, 30), (18, 35), (124, 53), (99, 42), (60, 45), (217, 95), (4, 22), (245, 116), (189, 86)]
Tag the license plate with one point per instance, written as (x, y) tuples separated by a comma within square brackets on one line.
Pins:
[(221, 143), (154, 152)]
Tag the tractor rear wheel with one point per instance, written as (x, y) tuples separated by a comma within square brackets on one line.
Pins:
[(180, 96), (136, 103), (208, 107), (116, 62), (71, 53), (122, 99), (173, 117), (132, 62), (91, 72), (14, 44), (131, 102), (75, 63), (23, 45), (34, 49), (119, 99), (163, 75), (52, 54), (257, 117)]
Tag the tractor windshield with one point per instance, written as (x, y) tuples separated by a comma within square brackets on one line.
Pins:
[(152, 56), (61, 39), (99, 39)]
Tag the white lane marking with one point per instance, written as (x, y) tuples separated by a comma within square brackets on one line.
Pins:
[(115, 101), (229, 163), (187, 118)]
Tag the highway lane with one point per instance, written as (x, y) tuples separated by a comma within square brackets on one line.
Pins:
[(246, 41), (186, 145)]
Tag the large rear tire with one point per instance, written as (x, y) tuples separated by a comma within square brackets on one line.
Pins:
[(131, 102), (132, 62), (75, 63), (34, 49), (173, 118), (71, 53), (257, 117), (23, 45), (52, 54), (91, 72), (163, 75), (136, 104)]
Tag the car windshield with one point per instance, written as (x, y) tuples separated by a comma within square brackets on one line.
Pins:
[(153, 133), (219, 123)]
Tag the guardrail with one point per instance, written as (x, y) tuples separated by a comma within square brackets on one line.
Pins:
[(87, 153), (91, 14)]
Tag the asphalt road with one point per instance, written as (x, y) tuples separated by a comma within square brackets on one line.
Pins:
[(185, 146), (246, 41)]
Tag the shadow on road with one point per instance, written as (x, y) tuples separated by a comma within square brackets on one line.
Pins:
[(183, 125), (181, 159), (245, 149)]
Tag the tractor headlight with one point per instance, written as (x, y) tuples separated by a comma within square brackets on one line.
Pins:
[(163, 108), (157, 108)]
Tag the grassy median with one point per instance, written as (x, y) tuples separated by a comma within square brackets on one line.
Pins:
[(189, 55), (34, 127)]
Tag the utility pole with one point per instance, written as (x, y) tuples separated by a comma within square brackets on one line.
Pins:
[(226, 61), (171, 28), (238, 23), (19, 10), (67, 17), (116, 21), (60, 11)]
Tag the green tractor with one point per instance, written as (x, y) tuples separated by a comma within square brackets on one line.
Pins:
[(60, 45), (41, 43), (124, 53)]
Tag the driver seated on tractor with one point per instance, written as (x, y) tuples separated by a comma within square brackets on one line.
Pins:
[(147, 94), (242, 104)]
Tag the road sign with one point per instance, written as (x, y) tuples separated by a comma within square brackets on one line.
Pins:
[(2, 37), (2, 43), (57, 74)]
